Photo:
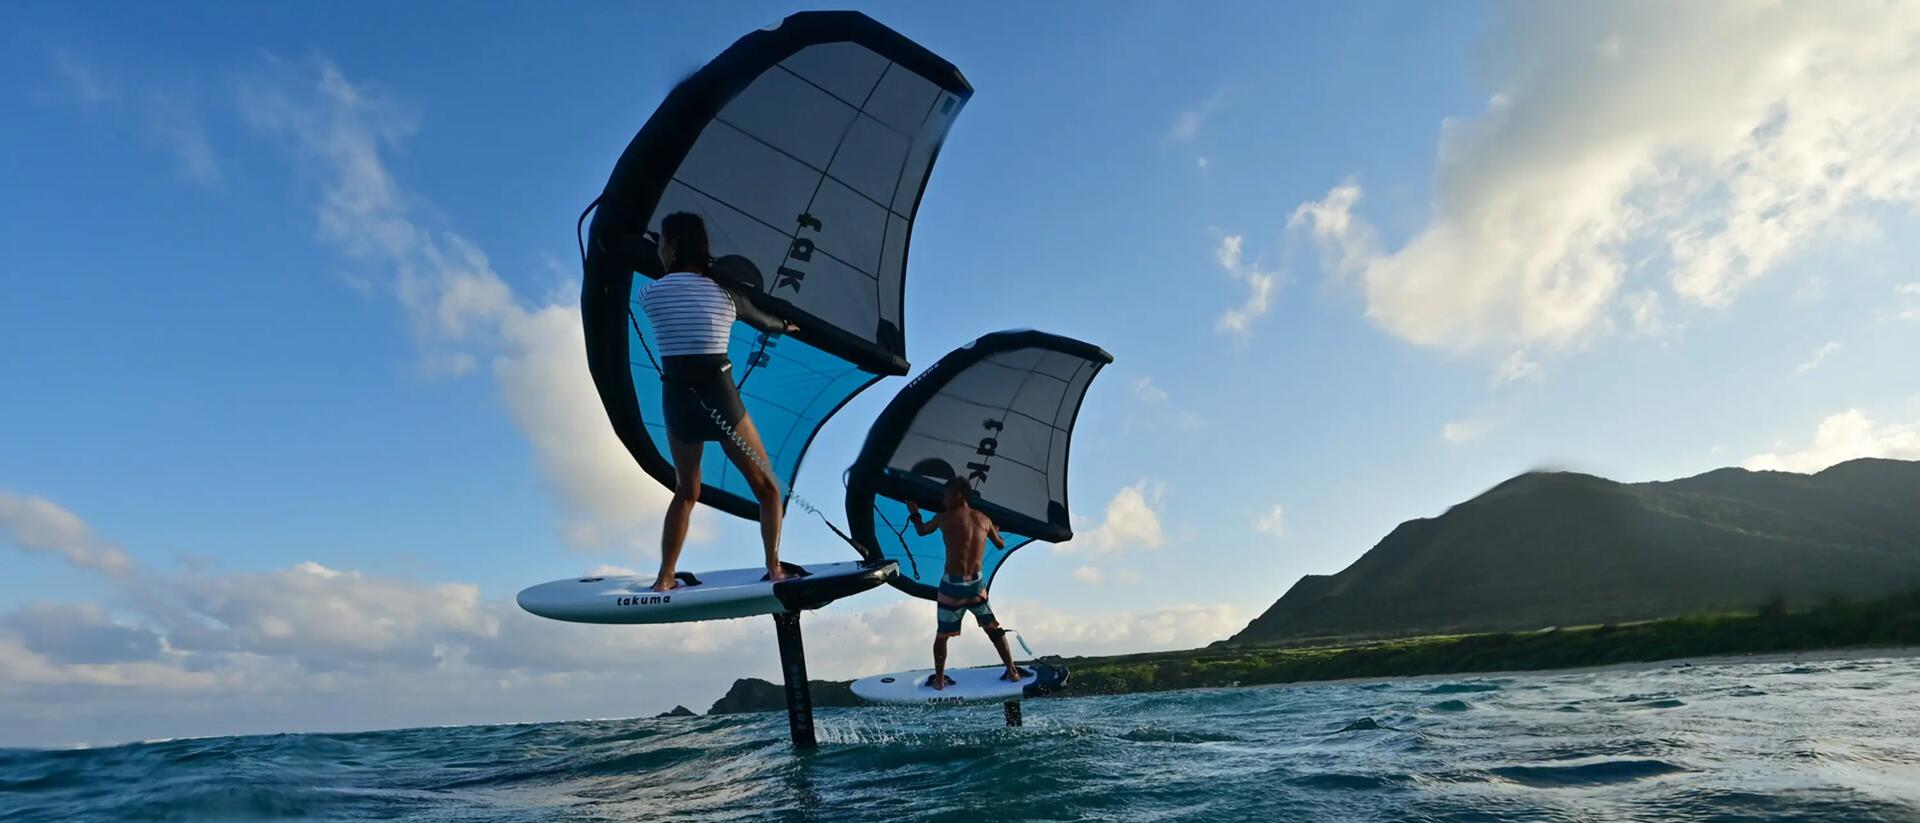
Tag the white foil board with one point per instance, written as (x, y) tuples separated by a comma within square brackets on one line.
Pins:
[(970, 685), (717, 595)]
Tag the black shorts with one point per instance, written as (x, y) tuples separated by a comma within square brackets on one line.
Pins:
[(693, 388)]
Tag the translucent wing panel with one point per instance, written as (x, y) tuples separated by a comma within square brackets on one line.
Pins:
[(806, 147), (788, 387), (998, 413), (924, 559), (812, 173), (1003, 423)]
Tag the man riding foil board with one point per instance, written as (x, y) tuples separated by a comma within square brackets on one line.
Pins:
[(966, 531)]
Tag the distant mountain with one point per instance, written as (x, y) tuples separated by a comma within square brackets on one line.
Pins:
[(1562, 549), (751, 694)]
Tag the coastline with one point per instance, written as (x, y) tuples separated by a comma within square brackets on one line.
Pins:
[(1807, 656), (1889, 627)]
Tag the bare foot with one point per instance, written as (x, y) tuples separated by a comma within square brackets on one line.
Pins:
[(1013, 676), (939, 682), (776, 574), (665, 584)]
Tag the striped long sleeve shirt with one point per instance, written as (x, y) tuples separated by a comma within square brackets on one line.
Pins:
[(692, 314)]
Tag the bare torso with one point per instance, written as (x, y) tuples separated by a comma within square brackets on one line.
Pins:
[(966, 531)]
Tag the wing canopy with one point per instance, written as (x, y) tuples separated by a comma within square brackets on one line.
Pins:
[(806, 148), (999, 412)]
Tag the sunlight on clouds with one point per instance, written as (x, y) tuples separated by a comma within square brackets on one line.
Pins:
[(610, 570), (1910, 294), (39, 524), (1841, 437), (1177, 627), (550, 396), (1260, 284), (178, 127), (1144, 389), (1820, 354), (312, 646), (85, 84), (1132, 522), (1700, 143), (1643, 309), (1186, 126), (1272, 522), (460, 310), (1516, 368), (168, 119), (1462, 431)]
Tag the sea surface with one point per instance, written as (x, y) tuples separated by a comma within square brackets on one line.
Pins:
[(1832, 740)]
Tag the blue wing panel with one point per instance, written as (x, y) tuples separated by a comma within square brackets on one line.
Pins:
[(924, 559), (788, 387)]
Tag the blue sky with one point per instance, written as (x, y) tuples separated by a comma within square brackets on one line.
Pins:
[(296, 401)]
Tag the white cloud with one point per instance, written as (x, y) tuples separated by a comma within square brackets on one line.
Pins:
[(311, 647), (1090, 575), (1812, 290), (1154, 413), (84, 83), (1260, 284), (1186, 126), (549, 394), (1144, 389), (1515, 368), (80, 633), (1191, 422), (1201, 162), (1819, 355), (1704, 144), (1841, 437), (1272, 522), (169, 119), (610, 570), (39, 524), (1910, 294), (1644, 313), (173, 123), (1178, 627), (1462, 431), (1132, 521), (1347, 243), (321, 617), (460, 310)]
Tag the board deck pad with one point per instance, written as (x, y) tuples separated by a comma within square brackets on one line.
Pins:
[(981, 684), (716, 595)]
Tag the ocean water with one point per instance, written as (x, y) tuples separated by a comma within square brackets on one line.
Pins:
[(1833, 740)]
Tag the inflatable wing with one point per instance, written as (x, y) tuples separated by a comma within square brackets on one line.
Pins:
[(999, 412), (806, 148)]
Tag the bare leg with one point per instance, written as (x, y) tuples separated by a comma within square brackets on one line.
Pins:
[(1006, 654), (686, 493), (760, 479), (940, 662)]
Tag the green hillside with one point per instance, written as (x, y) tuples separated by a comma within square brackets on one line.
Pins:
[(1561, 549)]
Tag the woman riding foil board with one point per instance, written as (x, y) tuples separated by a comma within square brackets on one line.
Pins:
[(692, 315)]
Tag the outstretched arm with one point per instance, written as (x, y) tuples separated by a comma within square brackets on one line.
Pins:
[(755, 316), (923, 529)]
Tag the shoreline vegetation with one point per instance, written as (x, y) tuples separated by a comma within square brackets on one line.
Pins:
[(1886, 622)]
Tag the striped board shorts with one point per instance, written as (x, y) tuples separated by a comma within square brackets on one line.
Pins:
[(965, 596)]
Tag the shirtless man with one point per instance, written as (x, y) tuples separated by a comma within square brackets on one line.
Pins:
[(966, 531)]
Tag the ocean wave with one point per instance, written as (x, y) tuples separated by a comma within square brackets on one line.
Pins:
[(1332, 752)]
